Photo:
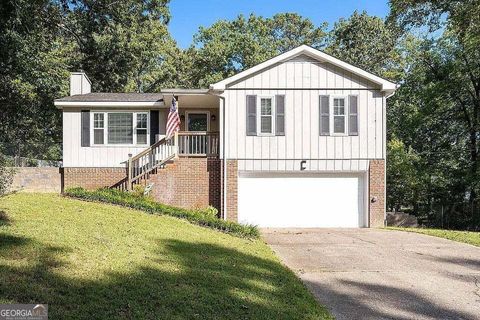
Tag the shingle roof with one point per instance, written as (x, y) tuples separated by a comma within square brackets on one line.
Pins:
[(113, 97)]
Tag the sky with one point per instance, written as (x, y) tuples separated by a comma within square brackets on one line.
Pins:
[(189, 15)]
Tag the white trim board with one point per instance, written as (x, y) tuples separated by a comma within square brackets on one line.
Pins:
[(386, 86)]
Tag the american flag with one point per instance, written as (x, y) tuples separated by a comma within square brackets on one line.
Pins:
[(173, 121)]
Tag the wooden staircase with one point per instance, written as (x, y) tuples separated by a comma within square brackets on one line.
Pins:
[(155, 157), (147, 162)]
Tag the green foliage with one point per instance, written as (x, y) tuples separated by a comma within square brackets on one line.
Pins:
[(209, 212), (6, 175), (403, 179), (369, 43), (135, 201), (228, 47), (437, 110)]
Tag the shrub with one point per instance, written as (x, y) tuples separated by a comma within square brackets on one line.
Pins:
[(205, 217), (209, 212), (6, 175)]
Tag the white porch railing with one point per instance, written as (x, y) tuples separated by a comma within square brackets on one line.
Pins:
[(188, 144), (198, 144)]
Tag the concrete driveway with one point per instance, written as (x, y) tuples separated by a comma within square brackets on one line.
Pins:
[(382, 274)]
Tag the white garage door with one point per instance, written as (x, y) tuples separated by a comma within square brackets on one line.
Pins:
[(314, 201)]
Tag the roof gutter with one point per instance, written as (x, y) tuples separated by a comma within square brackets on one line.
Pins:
[(135, 104)]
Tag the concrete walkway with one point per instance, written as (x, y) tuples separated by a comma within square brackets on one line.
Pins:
[(381, 274)]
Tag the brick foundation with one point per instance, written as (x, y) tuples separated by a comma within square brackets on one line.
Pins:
[(376, 189), (92, 178), (189, 183), (232, 190)]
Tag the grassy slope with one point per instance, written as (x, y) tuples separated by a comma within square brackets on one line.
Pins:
[(460, 236), (89, 260)]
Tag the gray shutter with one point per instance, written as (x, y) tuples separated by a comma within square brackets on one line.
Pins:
[(353, 115), (153, 125), (85, 134), (251, 115), (280, 115), (324, 112)]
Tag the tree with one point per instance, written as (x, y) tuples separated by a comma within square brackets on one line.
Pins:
[(403, 178), (450, 68), (33, 63), (122, 45), (369, 43), (228, 47)]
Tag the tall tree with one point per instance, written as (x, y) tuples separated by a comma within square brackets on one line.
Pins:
[(367, 42), (228, 47), (123, 45), (33, 63), (448, 70)]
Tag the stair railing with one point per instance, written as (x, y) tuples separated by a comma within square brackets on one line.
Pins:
[(149, 160)]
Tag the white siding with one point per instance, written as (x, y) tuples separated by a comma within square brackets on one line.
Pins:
[(302, 81), (74, 155)]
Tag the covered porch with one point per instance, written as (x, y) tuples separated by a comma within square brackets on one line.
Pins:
[(199, 135), (199, 122)]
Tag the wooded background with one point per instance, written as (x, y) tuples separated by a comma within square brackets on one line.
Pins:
[(430, 47)]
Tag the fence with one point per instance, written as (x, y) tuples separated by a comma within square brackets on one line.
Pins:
[(30, 162), (457, 215)]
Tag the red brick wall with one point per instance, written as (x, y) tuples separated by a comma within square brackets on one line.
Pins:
[(376, 189), (92, 178), (232, 190), (189, 183)]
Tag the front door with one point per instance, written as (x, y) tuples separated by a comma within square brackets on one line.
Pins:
[(198, 124), (197, 121)]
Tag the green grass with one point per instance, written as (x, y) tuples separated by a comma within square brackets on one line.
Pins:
[(91, 260), (469, 237), (135, 201)]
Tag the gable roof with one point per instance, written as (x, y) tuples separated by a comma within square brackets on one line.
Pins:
[(386, 86)]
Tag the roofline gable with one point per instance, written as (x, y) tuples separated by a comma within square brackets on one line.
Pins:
[(386, 86)]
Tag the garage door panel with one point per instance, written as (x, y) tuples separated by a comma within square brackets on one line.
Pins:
[(301, 201)]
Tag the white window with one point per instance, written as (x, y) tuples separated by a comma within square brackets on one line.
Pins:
[(98, 128), (120, 128), (266, 119), (339, 118), (142, 125)]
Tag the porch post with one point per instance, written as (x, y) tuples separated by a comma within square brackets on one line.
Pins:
[(177, 147), (129, 172)]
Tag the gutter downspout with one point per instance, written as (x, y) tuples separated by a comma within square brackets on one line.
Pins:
[(224, 160)]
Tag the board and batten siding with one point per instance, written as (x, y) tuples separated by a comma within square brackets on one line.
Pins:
[(302, 81), (74, 155)]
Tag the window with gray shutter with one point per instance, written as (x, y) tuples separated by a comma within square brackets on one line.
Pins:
[(251, 115), (324, 112), (280, 115), (85, 134), (353, 115)]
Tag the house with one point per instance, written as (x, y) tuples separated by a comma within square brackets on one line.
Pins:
[(296, 141)]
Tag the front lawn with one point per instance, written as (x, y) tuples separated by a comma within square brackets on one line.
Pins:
[(472, 238), (92, 260)]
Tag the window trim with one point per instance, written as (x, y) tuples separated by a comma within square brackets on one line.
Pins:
[(259, 116), (345, 115), (105, 128), (201, 111)]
